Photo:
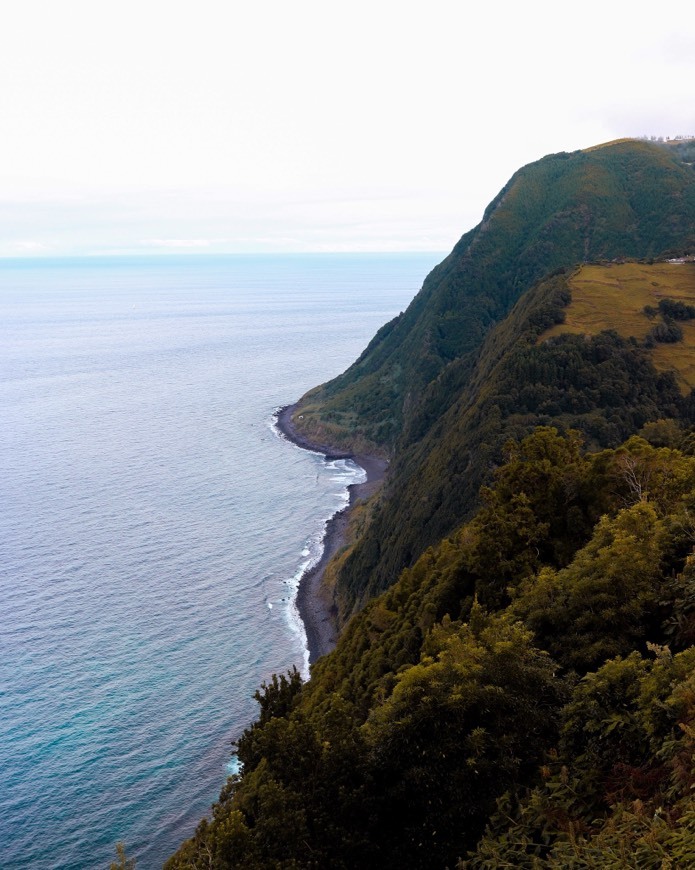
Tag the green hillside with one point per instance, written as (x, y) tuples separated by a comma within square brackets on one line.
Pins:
[(513, 685), (522, 696), (605, 386), (627, 199), (616, 296)]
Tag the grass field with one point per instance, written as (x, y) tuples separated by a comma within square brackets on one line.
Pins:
[(613, 296)]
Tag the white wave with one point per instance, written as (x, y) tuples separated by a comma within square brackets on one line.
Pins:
[(233, 766)]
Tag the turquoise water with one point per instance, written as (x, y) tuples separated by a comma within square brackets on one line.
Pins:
[(153, 526)]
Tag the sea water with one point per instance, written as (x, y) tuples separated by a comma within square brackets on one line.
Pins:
[(153, 526)]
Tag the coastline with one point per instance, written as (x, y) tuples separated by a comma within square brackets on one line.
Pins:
[(316, 611)]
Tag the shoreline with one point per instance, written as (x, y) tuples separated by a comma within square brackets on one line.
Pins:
[(316, 611)]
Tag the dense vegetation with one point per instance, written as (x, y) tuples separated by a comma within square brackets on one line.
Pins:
[(627, 199), (605, 386), (442, 376), (522, 696), (513, 685)]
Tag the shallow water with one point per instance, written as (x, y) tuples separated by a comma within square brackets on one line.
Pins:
[(153, 526)]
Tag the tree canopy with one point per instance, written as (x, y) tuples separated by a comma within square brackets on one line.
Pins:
[(522, 696)]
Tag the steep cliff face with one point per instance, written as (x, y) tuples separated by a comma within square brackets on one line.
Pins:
[(406, 393), (521, 694), (628, 199)]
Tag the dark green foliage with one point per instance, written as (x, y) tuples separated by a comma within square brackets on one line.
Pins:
[(630, 199), (679, 598), (538, 512), (606, 600), (605, 387), (666, 332), (663, 433), (448, 381), (276, 697), (275, 700), (461, 726), (436, 716), (501, 697), (618, 792), (676, 310)]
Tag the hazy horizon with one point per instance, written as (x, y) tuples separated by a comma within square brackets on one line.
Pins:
[(133, 129)]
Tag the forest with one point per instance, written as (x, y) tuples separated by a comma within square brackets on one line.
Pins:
[(524, 695), (513, 684), (415, 391)]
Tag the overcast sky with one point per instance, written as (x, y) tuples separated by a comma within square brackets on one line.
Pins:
[(150, 126)]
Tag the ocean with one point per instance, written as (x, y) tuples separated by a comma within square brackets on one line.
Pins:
[(154, 525)]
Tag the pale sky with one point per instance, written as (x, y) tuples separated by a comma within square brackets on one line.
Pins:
[(152, 127)]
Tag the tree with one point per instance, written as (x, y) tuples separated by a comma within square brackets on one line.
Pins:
[(459, 728), (604, 602), (122, 862)]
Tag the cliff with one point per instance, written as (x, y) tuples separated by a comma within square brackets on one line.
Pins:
[(513, 685), (408, 391)]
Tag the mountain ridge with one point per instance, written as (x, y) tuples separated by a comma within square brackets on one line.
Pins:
[(539, 221)]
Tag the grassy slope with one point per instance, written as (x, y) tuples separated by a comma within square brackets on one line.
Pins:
[(606, 387), (614, 296)]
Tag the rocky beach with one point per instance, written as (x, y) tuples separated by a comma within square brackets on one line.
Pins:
[(315, 607)]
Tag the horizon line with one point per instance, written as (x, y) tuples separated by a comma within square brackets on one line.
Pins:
[(32, 258)]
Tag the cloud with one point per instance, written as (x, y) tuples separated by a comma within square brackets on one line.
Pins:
[(28, 245), (22, 247), (180, 243), (229, 135)]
